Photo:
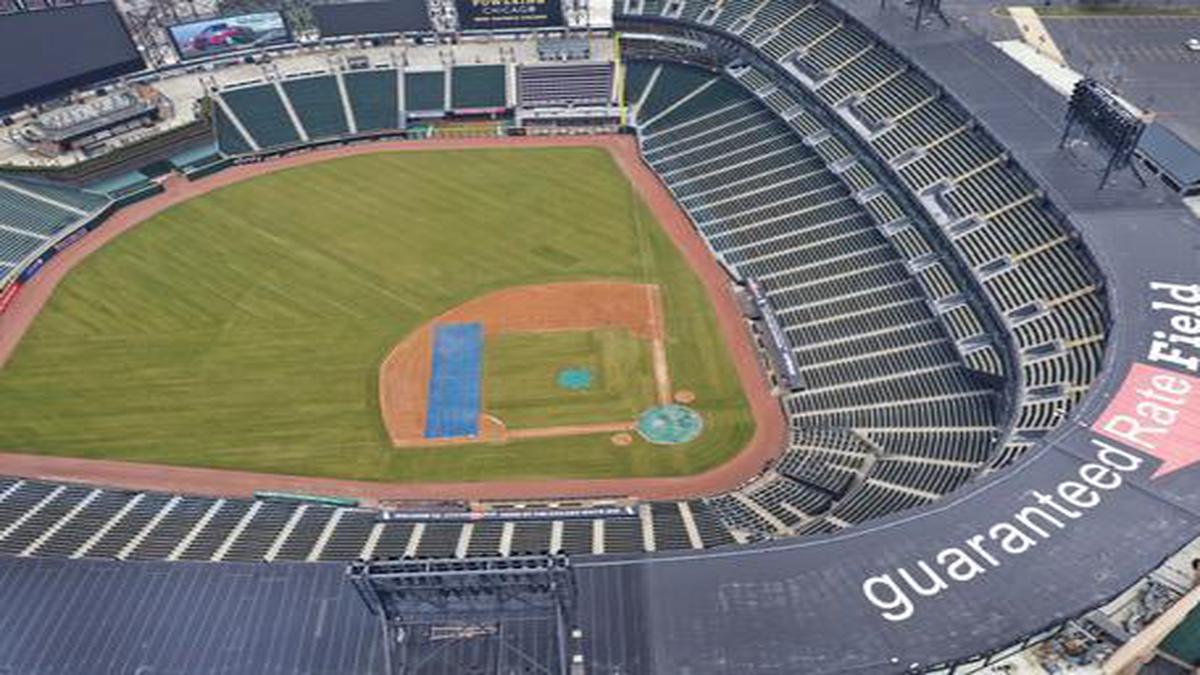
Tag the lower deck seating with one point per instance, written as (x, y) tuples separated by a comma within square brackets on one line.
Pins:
[(318, 104), (566, 84), (44, 519), (262, 114), (35, 213), (999, 223), (885, 381), (425, 91), (271, 115), (374, 99)]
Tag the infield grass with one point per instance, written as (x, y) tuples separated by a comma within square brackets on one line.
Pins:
[(521, 370), (243, 329)]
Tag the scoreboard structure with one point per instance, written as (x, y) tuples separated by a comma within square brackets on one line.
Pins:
[(48, 53), (508, 14)]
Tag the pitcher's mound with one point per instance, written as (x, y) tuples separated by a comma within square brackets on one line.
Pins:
[(574, 379)]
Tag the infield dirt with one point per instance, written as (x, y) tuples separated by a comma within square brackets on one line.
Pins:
[(575, 306)]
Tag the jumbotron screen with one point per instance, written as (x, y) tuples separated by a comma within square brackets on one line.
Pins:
[(508, 14), (48, 53), (226, 34), (362, 18)]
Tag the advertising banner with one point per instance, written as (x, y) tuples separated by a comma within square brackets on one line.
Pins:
[(508, 14), (225, 34)]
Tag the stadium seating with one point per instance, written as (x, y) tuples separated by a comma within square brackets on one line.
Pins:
[(262, 114), (425, 92), (229, 138), (875, 357), (906, 326), (318, 104), (374, 99), (370, 104), (34, 214), (1023, 257), (478, 87), (67, 521), (540, 85)]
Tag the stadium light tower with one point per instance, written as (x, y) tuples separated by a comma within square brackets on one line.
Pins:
[(924, 7), (1097, 114), (520, 608)]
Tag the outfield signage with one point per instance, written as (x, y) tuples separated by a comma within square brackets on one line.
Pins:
[(1153, 419), (34, 267), (61, 245), (508, 14), (512, 514), (71, 239), (220, 35)]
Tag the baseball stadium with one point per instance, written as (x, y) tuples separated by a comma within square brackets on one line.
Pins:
[(567, 337)]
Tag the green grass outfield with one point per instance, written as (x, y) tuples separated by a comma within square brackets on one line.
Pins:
[(520, 377), (244, 329)]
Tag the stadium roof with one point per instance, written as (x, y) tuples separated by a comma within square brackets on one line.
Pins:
[(1172, 154)]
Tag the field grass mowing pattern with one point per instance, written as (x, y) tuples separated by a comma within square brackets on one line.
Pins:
[(244, 329), (521, 369)]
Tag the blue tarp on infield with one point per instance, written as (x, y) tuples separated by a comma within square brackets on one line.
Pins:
[(452, 410)]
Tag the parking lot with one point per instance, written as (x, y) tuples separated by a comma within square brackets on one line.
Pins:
[(1144, 58)]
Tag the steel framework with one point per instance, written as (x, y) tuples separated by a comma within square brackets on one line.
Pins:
[(1105, 119), (521, 609), (924, 7)]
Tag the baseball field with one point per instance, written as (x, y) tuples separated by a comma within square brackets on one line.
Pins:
[(245, 329)]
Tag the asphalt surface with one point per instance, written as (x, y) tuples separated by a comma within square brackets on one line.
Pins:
[(1143, 58)]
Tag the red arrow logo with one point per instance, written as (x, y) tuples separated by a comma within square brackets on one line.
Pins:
[(1156, 411)]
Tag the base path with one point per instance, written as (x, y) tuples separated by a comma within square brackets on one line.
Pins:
[(770, 427)]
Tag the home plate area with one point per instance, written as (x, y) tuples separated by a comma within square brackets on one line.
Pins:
[(538, 362)]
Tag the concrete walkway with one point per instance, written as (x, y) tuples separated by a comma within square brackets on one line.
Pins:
[(1034, 33)]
